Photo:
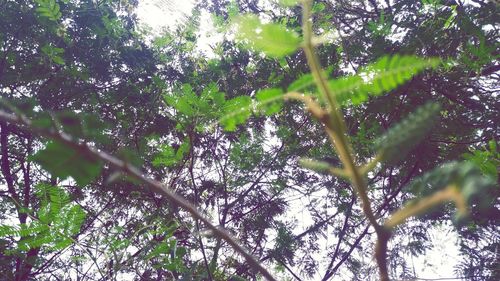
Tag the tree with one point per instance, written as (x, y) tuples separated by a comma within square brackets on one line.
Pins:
[(240, 175), (360, 42), (77, 57)]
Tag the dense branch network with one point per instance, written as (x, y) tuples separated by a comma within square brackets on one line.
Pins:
[(132, 171)]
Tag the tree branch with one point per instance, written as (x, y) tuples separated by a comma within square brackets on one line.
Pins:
[(115, 163)]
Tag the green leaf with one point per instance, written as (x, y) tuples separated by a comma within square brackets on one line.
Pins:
[(380, 27), (401, 138), (58, 60), (63, 162), (237, 111), (168, 156), (183, 102), (451, 18), (233, 9), (49, 9), (8, 230), (348, 89), (477, 190), (188, 103), (487, 159), (315, 165), (44, 214), (62, 244), (180, 252), (285, 245), (270, 100), (161, 249), (303, 82), (273, 39), (184, 107), (53, 53), (318, 7), (183, 150), (389, 72), (386, 74), (58, 220), (287, 3), (72, 217), (211, 93)]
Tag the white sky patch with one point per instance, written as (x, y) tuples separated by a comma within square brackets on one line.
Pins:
[(208, 37), (168, 14), (160, 14), (440, 260)]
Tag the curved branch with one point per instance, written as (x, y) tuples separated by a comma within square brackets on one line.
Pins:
[(113, 162)]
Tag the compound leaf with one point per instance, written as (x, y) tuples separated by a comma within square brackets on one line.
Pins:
[(237, 111), (386, 74), (63, 162), (401, 138), (272, 39), (269, 100)]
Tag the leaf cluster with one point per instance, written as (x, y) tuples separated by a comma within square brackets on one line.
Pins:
[(54, 225)]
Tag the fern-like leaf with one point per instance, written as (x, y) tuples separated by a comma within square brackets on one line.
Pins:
[(390, 72), (49, 9), (58, 221), (476, 189), (8, 230), (384, 75), (273, 39), (401, 138), (303, 82)]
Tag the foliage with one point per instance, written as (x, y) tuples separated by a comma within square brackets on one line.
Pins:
[(53, 53), (64, 62), (62, 161), (54, 225), (476, 190), (49, 9), (385, 75), (487, 159), (270, 38), (168, 156), (395, 144)]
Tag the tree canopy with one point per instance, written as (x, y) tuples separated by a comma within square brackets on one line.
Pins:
[(127, 155)]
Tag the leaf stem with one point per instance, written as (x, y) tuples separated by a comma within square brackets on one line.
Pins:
[(312, 106), (336, 129), (451, 193), (370, 165), (335, 125)]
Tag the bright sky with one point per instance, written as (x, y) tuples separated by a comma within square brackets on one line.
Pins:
[(158, 14), (163, 13)]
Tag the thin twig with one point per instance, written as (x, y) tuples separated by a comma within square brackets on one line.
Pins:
[(126, 168), (450, 193), (336, 130)]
